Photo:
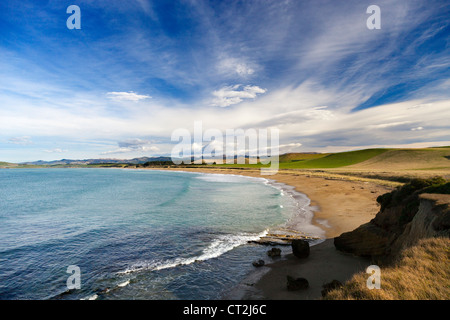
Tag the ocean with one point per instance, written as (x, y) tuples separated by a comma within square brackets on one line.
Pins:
[(136, 234)]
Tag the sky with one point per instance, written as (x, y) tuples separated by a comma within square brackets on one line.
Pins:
[(138, 70)]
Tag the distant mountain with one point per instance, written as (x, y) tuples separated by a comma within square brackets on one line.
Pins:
[(140, 160)]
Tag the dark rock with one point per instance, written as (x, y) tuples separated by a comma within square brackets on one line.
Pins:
[(335, 284), (297, 284), (258, 263), (274, 252), (300, 248), (366, 240)]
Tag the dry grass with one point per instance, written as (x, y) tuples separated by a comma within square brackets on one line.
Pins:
[(422, 273), (408, 159), (328, 174)]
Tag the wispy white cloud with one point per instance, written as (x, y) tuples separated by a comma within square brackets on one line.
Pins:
[(127, 96), (290, 147), (387, 125), (233, 67), (133, 145), (56, 150), (230, 95), (25, 140)]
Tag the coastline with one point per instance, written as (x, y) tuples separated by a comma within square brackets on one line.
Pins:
[(338, 206)]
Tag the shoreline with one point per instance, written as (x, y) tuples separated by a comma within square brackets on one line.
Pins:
[(338, 206)]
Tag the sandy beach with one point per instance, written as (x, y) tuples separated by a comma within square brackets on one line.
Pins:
[(339, 206)]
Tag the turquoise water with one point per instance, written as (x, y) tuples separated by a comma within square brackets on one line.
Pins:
[(134, 234)]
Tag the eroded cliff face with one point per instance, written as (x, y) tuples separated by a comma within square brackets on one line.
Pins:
[(398, 225), (431, 220)]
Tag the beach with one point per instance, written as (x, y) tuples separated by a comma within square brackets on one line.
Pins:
[(339, 206)]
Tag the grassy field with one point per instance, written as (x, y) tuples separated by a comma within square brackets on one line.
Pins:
[(373, 159), (294, 157), (413, 159), (390, 164), (334, 160), (7, 164), (317, 160)]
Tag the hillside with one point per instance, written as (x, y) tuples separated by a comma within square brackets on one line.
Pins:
[(373, 159), (293, 157), (334, 160), (401, 164), (408, 159), (7, 164), (369, 159), (96, 161)]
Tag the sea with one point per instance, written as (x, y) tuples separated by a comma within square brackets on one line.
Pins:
[(105, 233)]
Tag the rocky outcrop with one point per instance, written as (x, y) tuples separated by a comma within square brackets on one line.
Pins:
[(300, 248), (367, 240), (274, 252), (406, 216), (297, 284), (258, 263)]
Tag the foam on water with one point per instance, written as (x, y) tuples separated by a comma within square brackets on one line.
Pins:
[(124, 284), (230, 178), (215, 249)]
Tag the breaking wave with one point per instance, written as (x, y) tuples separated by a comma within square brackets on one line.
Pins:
[(216, 248)]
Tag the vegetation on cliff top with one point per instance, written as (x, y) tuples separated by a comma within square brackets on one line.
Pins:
[(408, 195), (421, 273)]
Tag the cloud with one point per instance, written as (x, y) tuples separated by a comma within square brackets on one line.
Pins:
[(307, 54), (133, 145), (126, 96), (230, 95), (233, 67), (25, 140), (387, 125), (289, 147), (56, 150)]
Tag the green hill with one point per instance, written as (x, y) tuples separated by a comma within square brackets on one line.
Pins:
[(416, 161), (289, 157), (6, 164), (334, 160), (408, 159)]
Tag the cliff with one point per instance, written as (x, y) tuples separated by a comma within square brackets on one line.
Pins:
[(418, 210)]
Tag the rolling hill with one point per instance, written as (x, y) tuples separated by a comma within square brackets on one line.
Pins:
[(333, 160), (391, 164), (408, 159), (418, 161)]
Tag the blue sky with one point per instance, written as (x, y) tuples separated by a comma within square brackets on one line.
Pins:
[(137, 70)]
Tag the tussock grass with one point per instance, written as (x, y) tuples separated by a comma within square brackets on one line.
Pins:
[(421, 273)]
